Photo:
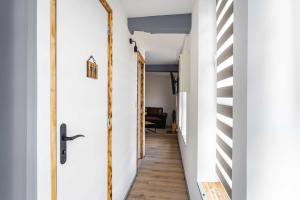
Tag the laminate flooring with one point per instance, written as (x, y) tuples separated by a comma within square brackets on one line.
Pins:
[(160, 174)]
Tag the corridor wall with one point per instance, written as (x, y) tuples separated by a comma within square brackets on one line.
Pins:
[(273, 100), (266, 111), (18, 99), (198, 153), (189, 148)]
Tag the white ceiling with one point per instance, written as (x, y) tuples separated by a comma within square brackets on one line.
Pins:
[(160, 48), (142, 8)]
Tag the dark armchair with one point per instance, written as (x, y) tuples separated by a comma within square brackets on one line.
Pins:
[(156, 117)]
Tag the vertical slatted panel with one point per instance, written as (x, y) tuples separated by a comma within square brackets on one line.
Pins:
[(224, 182), (224, 41)]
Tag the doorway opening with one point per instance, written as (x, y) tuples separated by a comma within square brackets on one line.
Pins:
[(161, 100), (158, 82)]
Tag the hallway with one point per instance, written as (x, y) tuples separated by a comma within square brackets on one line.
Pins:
[(160, 174), (83, 83)]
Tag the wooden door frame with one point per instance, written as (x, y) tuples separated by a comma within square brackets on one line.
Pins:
[(141, 93), (53, 98)]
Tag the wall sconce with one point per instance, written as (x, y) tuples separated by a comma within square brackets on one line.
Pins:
[(135, 47)]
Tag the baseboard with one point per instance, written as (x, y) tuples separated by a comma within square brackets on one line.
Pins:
[(130, 188), (201, 190), (186, 185)]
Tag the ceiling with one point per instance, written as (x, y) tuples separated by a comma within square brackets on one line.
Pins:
[(142, 8), (160, 48)]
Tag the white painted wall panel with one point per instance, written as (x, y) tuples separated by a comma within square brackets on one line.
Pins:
[(206, 157), (17, 102), (239, 157), (273, 149), (184, 66), (124, 104), (189, 149), (198, 153)]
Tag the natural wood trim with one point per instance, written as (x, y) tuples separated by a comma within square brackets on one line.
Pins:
[(110, 90), (214, 191), (53, 99), (53, 108), (141, 58), (141, 61), (137, 116), (107, 7)]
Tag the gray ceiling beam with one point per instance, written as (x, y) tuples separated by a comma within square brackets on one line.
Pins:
[(181, 23), (162, 68)]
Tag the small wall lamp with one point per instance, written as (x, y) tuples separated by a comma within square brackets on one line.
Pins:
[(135, 47)]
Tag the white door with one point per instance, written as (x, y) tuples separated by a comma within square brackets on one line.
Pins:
[(82, 102)]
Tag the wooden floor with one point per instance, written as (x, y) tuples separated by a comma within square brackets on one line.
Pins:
[(214, 191), (160, 174)]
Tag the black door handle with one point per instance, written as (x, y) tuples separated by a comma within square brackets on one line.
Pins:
[(65, 138), (63, 142)]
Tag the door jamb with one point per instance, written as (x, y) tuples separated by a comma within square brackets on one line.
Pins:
[(53, 98), (140, 59)]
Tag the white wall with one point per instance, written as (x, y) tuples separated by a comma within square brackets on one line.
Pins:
[(273, 133), (239, 154), (266, 99), (43, 101), (185, 65), (158, 93), (17, 102), (189, 150), (266, 133), (207, 93), (200, 150), (124, 101), (124, 105)]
